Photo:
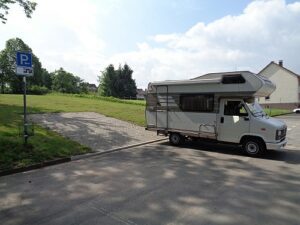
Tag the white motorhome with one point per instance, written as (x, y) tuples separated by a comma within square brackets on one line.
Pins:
[(218, 106)]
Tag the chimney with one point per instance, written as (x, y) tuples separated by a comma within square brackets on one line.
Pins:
[(280, 63)]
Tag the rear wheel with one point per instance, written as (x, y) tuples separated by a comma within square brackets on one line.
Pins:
[(254, 146), (176, 139)]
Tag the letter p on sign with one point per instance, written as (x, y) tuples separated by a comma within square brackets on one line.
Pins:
[(24, 59)]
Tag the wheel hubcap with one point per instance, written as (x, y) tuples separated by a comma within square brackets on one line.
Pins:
[(175, 139), (252, 147)]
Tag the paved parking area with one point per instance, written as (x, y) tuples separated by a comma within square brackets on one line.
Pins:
[(94, 130), (159, 184), (293, 132)]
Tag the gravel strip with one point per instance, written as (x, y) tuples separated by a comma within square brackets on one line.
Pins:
[(94, 130)]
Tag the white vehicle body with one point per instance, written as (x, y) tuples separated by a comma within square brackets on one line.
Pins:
[(220, 106), (297, 110)]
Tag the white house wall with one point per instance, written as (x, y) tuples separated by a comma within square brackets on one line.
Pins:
[(286, 85)]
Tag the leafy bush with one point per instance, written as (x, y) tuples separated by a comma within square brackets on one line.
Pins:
[(37, 90), (6, 90)]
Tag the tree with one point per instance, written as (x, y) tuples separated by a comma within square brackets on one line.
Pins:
[(65, 82), (8, 58), (84, 87), (46, 79), (7, 65), (117, 83), (28, 6), (128, 84), (4, 70), (107, 82)]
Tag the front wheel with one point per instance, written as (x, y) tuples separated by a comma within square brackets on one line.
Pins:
[(176, 139), (254, 147)]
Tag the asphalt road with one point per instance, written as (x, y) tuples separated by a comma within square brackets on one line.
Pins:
[(293, 132), (160, 184)]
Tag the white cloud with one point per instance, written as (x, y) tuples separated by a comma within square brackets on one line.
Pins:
[(68, 34), (61, 34), (265, 31)]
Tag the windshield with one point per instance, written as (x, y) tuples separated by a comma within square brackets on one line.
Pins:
[(255, 108)]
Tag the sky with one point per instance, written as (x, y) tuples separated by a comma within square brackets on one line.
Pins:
[(159, 40)]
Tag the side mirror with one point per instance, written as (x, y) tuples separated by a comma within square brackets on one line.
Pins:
[(243, 115)]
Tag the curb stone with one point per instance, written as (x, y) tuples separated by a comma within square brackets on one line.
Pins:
[(88, 155), (72, 158), (35, 166)]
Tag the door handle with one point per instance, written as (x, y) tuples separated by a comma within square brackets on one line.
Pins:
[(222, 119)]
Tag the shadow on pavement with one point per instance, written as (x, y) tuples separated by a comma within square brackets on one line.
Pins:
[(155, 184), (285, 155)]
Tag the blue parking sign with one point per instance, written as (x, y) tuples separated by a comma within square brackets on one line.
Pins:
[(24, 59)]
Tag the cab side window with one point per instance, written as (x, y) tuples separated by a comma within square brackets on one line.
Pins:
[(243, 111), (234, 108)]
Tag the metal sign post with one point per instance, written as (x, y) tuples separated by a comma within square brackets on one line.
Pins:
[(24, 69), (25, 112)]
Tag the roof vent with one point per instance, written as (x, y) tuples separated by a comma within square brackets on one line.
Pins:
[(233, 79), (280, 63)]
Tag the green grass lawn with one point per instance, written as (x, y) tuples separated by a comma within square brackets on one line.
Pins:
[(44, 145), (127, 111), (47, 145), (276, 112)]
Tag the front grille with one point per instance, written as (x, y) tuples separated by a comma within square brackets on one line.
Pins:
[(284, 132)]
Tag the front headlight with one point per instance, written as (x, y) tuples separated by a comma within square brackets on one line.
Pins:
[(278, 134)]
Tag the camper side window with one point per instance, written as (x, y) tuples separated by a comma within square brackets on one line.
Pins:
[(234, 108), (197, 103), (151, 101)]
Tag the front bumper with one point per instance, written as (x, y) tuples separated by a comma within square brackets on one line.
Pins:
[(276, 146)]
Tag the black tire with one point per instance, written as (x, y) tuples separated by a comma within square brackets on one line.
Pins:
[(297, 111), (254, 147), (176, 139)]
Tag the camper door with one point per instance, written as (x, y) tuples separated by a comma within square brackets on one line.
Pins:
[(233, 120)]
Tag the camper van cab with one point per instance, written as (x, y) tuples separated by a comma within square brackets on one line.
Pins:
[(220, 107)]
